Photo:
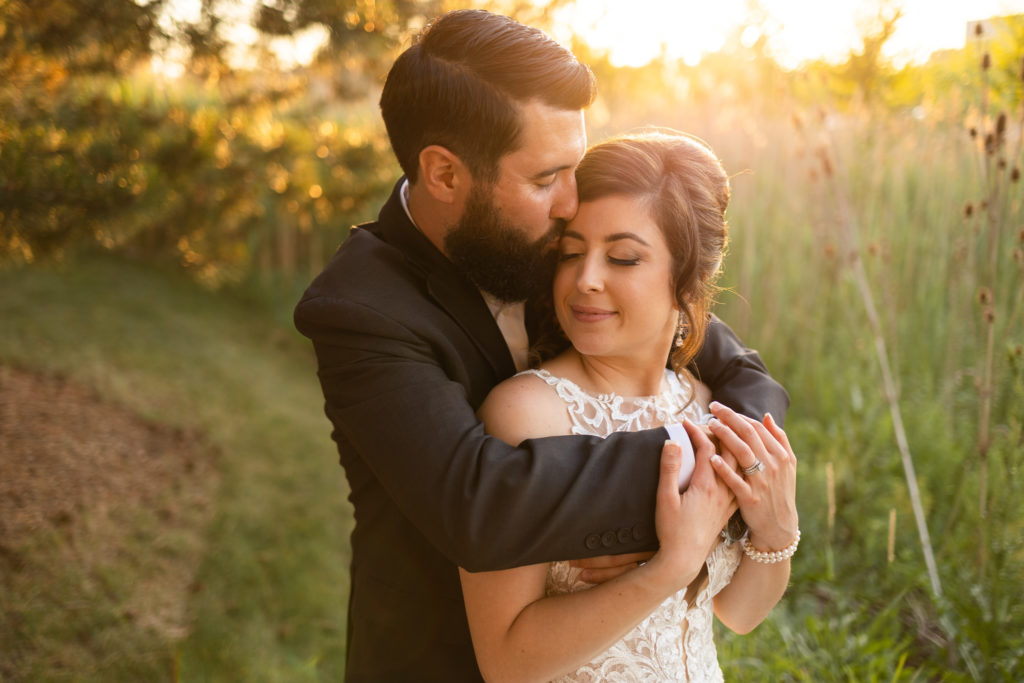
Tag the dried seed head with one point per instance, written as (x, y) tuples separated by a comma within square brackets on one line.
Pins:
[(826, 163), (1017, 351), (990, 315), (872, 249), (978, 30), (984, 296), (830, 252), (986, 61), (1002, 164), (1020, 235), (968, 210), (1018, 256), (1001, 124), (990, 143), (974, 132), (1015, 174)]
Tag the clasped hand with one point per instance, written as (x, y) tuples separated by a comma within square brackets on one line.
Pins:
[(767, 495), (688, 523)]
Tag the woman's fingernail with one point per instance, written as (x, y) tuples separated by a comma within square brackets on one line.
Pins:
[(768, 416), (717, 459), (715, 405)]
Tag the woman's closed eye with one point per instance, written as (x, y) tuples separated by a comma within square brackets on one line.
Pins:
[(629, 261)]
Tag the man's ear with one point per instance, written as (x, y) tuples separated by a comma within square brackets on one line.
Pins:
[(443, 174)]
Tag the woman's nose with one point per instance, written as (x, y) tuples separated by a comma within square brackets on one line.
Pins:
[(590, 278)]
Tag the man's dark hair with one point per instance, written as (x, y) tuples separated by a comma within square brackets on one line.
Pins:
[(460, 83)]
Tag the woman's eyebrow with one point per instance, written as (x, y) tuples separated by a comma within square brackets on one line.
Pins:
[(614, 237)]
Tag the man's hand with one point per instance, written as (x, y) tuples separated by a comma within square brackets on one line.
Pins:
[(607, 567)]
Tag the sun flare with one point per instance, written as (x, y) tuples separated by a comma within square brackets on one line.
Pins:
[(637, 31)]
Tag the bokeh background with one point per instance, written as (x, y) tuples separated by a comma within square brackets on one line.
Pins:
[(173, 173)]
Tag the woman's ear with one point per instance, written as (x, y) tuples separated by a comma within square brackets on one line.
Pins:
[(443, 174)]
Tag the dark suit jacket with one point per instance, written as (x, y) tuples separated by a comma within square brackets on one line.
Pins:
[(407, 350)]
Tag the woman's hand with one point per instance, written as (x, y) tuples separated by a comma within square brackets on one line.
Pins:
[(689, 523), (766, 497)]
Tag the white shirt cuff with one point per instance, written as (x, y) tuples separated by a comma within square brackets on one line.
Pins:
[(677, 433)]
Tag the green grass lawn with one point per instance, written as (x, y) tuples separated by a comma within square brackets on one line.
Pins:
[(268, 599)]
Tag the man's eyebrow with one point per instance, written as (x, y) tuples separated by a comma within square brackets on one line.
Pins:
[(614, 237), (550, 171)]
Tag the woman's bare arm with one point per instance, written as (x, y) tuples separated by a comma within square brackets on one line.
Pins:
[(767, 500), (520, 634)]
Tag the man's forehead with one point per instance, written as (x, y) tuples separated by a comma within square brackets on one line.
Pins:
[(550, 137)]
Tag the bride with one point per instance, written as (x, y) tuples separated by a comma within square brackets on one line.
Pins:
[(632, 287)]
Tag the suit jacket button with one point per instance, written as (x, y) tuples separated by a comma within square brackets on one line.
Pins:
[(639, 532), (625, 535), (593, 541), (609, 538)]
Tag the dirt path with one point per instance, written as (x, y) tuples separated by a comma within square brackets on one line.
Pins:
[(99, 510)]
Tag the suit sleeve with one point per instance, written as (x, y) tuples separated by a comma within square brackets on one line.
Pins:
[(736, 375), (484, 504)]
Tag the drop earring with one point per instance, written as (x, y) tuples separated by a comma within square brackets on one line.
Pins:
[(677, 341)]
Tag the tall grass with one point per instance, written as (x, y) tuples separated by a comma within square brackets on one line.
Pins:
[(795, 294)]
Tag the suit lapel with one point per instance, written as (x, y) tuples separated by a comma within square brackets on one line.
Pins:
[(468, 309), (446, 285)]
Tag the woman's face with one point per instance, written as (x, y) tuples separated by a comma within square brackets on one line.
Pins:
[(613, 285)]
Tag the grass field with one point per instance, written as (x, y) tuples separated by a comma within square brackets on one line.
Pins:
[(268, 590)]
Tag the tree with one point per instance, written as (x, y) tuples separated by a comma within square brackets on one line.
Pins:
[(866, 67), (80, 35)]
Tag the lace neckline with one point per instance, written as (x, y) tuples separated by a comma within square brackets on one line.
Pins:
[(605, 413)]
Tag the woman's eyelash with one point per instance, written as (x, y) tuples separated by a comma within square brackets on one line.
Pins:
[(624, 261)]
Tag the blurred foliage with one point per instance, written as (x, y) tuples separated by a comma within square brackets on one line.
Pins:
[(70, 37), (222, 170)]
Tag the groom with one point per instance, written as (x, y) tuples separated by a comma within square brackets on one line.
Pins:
[(419, 314)]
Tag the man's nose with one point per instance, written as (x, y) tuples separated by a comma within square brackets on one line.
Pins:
[(566, 201)]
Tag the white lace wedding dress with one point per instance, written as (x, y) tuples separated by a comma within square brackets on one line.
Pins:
[(675, 643)]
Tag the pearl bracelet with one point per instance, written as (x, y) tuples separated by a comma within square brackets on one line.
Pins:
[(770, 557)]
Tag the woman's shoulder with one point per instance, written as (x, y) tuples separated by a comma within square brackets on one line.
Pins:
[(524, 407)]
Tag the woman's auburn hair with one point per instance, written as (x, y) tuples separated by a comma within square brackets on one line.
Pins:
[(683, 185)]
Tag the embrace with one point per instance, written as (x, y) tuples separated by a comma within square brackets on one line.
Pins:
[(519, 360)]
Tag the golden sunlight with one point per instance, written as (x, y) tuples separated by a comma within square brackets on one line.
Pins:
[(637, 31)]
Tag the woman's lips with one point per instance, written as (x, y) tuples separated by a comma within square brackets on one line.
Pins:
[(590, 314)]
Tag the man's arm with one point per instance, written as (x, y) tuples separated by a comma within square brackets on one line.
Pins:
[(737, 376), (484, 504)]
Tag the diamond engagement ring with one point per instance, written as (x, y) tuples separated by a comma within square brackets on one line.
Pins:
[(753, 469)]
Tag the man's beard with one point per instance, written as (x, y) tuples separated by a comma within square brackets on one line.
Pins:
[(495, 255)]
